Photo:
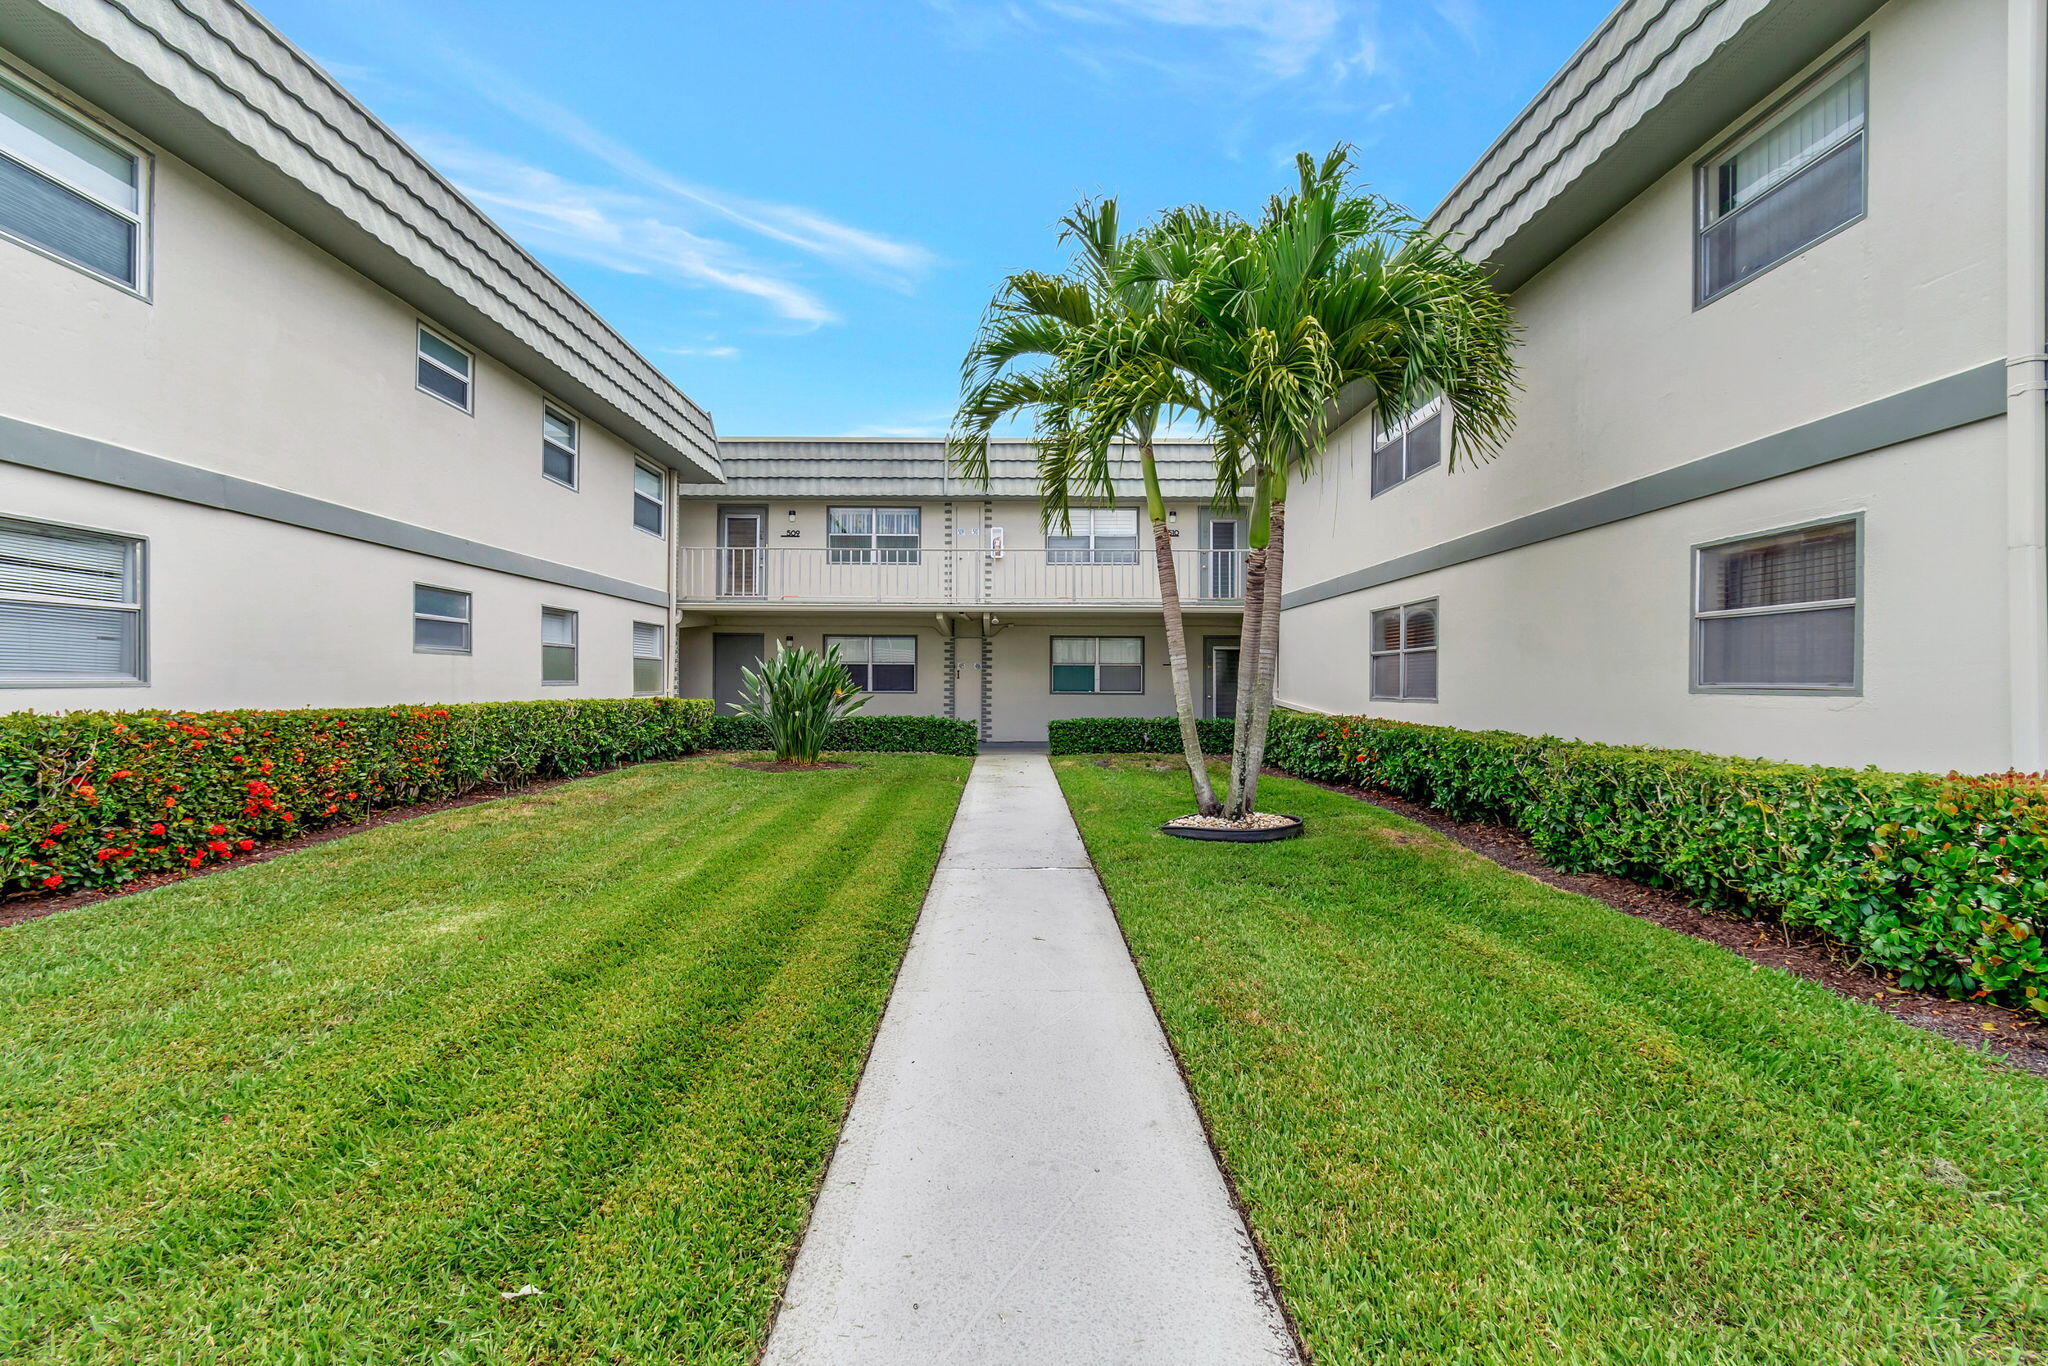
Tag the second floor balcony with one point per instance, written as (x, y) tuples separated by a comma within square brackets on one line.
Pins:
[(953, 578)]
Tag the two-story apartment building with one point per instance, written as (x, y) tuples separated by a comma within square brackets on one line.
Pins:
[(1778, 482), (283, 419), (947, 599)]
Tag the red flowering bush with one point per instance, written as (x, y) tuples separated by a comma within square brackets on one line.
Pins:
[(95, 799), (1943, 880)]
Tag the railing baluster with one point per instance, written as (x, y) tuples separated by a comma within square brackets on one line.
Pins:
[(964, 577)]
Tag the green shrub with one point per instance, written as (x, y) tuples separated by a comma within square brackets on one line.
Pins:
[(796, 695), (1132, 735), (1943, 880), (95, 799), (862, 734)]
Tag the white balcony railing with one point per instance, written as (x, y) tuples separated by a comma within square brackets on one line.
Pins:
[(951, 577)]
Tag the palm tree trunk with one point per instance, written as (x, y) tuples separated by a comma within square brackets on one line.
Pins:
[(1269, 656), (1177, 658), (1176, 637), (1247, 687)]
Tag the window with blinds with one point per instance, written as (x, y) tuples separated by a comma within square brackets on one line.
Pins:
[(1404, 653), (70, 606), (1098, 664), (1401, 450), (557, 445), (557, 645), (1787, 183), (648, 655), (69, 190), (1778, 612), (1095, 536), (872, 535), (878, 663), (440, 620), (650, 510)]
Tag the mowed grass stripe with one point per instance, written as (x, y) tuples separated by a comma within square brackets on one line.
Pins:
[(1476, 1119), (471, 1183), (679, 970), (511, 989)]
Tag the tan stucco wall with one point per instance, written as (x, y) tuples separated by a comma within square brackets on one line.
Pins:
[(1021, 664), (244, 612), (1588, 634), (1622, 376), (260, 356)]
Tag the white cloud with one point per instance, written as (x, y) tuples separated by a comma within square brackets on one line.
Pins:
[(1287, 35), (930, 424), (1322, 54), (1465, 17), (704, 352), (620, 230), (816, 234)]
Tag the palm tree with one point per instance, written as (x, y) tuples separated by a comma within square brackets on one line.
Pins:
[(1270, 323), (1026, 361)]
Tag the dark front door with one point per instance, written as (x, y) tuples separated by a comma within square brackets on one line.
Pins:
[(729, 654), (1219, 678), (1223, 560), (740, 533)]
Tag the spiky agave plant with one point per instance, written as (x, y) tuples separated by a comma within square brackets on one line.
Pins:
[(797, 695)]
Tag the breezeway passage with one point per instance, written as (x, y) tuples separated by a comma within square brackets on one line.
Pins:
[(1023, 1177)]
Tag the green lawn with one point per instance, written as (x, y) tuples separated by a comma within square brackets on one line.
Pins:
[(1475, 1119), (597, 1039)]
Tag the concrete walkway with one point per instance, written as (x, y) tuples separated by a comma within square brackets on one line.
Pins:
[(1023, 1178)]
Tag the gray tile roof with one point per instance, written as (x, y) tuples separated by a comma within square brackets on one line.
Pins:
[(833, 467)]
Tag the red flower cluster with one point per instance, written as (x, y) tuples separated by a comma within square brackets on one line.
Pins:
[(97, 799)]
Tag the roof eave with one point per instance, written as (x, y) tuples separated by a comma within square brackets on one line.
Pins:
[(230, 151), (1519, 226)]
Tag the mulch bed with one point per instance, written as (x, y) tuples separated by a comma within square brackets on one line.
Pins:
[(771, 766), (18, 909), (2015, 1037)]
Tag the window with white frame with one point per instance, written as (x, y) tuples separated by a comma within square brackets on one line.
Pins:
[(558, 433), (649, 508), (1404, 653), (1778, 612), (878, 663), (1098, 664), (1094, 536), (440, 620), (557, 645), (1401, 450), (872, 535), (444, 369), (1785, 184), (649, 651), (70, 606), (70, 189)]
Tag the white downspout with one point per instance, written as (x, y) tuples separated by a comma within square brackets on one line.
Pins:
[(2026, 404)]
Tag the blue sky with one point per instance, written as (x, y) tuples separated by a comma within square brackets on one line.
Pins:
[(798, 210)]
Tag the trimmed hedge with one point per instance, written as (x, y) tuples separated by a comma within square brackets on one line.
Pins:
[(865, 734), (1132, 735), (1943, 880), (96, 799)]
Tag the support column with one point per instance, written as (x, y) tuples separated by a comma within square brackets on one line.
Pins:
[(2026, 416)]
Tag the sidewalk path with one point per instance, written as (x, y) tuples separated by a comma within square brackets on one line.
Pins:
[(1023, 1178)]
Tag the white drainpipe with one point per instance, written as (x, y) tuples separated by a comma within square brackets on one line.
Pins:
[(2026, 404)]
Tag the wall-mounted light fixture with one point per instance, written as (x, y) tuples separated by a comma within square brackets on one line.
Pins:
[(792, 514), (1172, 515)]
